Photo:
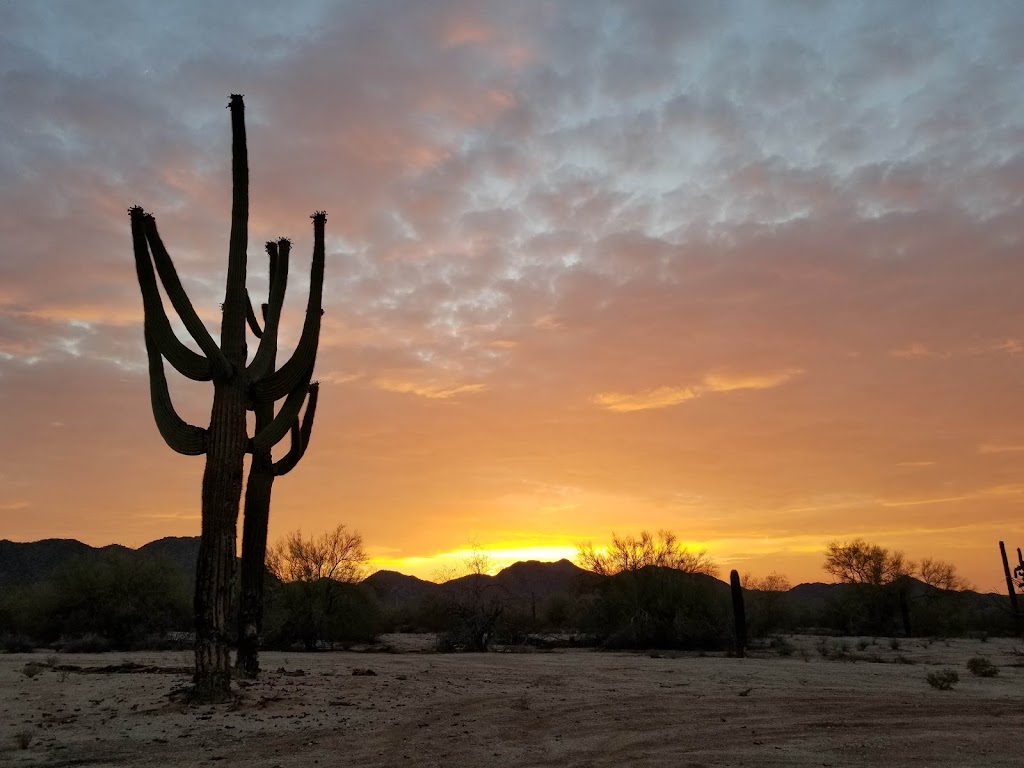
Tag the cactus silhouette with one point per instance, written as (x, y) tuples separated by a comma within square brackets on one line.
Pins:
[(739, 615), (236, 388), (259, 487)]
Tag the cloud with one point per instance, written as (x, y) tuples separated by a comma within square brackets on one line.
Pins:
[(664, 397), (429, 390), (997, 448)]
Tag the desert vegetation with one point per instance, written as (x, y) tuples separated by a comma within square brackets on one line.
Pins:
[(318, 596)]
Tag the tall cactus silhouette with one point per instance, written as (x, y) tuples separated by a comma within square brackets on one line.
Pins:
[(259, 487), (237, 387)]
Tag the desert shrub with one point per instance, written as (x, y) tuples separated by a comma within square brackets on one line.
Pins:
[(982, 667), (11, 643), (835, 651), (894, 643), (862, 644), (23, 738), (476, 610), (768, 606), (901, 659), (320, 614), (32, 669), (782, 646), (659, 608), (117, 596), (556, 611), (943, 679), (90, 642)]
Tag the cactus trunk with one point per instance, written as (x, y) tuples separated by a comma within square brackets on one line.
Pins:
[(254, 554), (739, 615), (215, 574), (1010, 589)]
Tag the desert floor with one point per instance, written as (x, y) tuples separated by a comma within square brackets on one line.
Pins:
[(561, 708)]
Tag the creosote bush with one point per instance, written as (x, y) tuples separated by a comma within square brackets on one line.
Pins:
[(32, 669), (982, 667), (943, 679)]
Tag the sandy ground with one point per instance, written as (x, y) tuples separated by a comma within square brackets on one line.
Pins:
[(563, 708)]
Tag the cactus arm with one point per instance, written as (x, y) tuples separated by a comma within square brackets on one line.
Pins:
[(250, 316), (266, 355), (271, 435), (188, 363), (176, 432), (300, 436), (232, 333), (290, 375), (180, 301)]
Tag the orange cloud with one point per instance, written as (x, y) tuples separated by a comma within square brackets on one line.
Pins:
[(465, 32), (429, 390), (664, 397)]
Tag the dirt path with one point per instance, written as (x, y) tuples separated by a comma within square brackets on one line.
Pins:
[(572, 708)]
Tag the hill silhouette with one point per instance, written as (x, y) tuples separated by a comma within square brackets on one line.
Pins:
[(532, 581)]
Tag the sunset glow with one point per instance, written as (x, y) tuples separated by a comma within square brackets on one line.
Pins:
[(749, 272)]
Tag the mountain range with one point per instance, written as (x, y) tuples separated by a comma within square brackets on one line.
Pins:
[(23, 564)]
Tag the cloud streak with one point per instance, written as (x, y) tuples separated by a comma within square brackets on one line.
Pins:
[(664, 397)]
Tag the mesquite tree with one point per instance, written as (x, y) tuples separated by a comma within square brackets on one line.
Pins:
[(237, 387), (258, 489)]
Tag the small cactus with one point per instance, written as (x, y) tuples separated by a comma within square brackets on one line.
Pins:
[(739, 615)]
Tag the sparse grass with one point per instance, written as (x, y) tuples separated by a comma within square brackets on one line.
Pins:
[(833, 651), (32, 669), (982, 667), (89, 643), (943, 679), (23, 738), (782, 646)]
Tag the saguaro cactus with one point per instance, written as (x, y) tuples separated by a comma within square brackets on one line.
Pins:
[(258, 489), (739, 615), (1010, 586), (236, 388)]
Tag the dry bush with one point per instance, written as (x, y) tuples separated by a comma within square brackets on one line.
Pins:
[(782, 646), (630, 554), (32, 669), (943, 679), (982, 667), (23, 738), (14, 643)]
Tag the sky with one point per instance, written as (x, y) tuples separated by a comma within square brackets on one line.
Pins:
[(747, 271)]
